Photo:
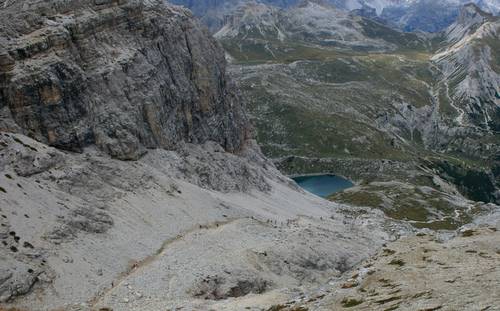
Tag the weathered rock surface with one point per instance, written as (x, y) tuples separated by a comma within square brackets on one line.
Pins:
[(123, 75), (469, 66), (308, 23), (201, 221), (88, 231), (421, 273)]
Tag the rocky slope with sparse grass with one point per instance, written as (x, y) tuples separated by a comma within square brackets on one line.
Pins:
[(130, 179), (398, 113), (85, 231), (418, 273)]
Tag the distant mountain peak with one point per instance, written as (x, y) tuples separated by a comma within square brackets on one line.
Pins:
[(472, 14), (323, 3), (470, 18)]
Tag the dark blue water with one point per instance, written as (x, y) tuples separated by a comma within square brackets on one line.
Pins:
[(323, 185)]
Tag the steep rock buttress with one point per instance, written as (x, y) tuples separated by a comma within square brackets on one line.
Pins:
[(123, 75)]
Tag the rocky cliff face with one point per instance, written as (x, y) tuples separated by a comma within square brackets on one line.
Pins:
[(469, 65), (123, 75), (255, 26)]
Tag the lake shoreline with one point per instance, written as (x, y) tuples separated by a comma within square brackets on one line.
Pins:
[(323, 185), (293, 176)]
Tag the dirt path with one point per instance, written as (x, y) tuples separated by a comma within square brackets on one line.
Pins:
[(140, 265)]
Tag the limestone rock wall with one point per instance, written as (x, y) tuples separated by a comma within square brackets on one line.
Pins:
[(125, 75)]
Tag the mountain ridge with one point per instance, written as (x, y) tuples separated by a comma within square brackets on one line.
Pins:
[(408, 15)]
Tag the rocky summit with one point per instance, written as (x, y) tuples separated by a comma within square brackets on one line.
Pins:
[(132, 175)]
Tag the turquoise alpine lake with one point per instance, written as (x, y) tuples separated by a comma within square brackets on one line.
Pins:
[(323, 185)]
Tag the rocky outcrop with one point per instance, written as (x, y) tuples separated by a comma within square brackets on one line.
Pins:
[(308, 23), (419, 273), (469, 66), (123, 75)]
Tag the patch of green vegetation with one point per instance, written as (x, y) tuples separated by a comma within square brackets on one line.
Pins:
[(388, 252), (472, 182), (277, 308), (358, 198), (408, 209), (445, 224), (3, 190), (430, 209), (274, 51), (298, 127), (468, 233), (289, 118)]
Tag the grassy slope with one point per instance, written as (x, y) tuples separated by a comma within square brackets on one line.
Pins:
[(337, 94), (320, 104)]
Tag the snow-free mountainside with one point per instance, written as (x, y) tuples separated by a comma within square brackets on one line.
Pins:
[(132, 175), (408, 15)]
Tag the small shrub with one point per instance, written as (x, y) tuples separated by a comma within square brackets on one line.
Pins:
[(397, 262), (351, 302), (388, 252), (277, 308), (468, 233)]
